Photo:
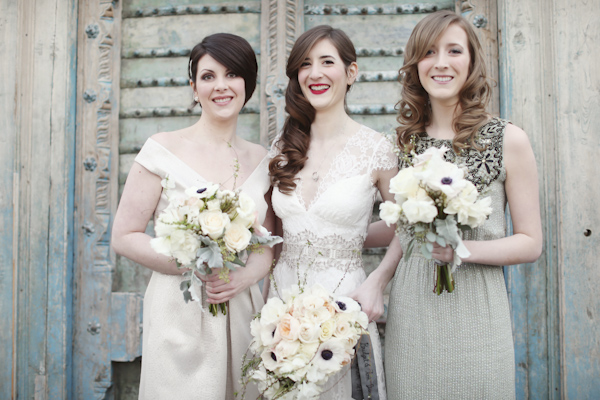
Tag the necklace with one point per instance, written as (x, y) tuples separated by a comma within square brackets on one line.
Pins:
[(315, 175)]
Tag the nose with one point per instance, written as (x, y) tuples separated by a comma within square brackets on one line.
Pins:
[(315, 71), (221, 83), (441, 61)]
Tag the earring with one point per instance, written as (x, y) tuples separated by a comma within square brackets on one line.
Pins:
[(196, 99)]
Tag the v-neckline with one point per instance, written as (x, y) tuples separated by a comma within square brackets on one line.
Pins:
[(319, 192), (187, 166)]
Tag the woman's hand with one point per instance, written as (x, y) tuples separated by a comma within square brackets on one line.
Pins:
[(444, 254), (370, 297), (218, 291)]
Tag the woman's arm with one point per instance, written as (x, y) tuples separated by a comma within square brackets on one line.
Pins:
[(525, 245), (370, 293), (139, 200), (257, 267), (379, 235)]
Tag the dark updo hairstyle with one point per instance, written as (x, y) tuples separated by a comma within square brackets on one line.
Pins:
[(295, 137), (233, 52), (414, 109)]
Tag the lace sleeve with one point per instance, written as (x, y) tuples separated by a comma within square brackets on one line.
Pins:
[(385, 156), (275, 147)]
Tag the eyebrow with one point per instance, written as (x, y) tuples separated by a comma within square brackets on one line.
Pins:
[(321, 57)]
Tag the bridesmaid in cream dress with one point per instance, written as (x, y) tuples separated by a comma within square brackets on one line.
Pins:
[(188, 353)]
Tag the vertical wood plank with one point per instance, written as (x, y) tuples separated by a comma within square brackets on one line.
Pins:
[(8, 254), (525, 51), (96, 186)]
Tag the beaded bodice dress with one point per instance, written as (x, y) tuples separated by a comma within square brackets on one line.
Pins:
[(456, 345), (324, 238)]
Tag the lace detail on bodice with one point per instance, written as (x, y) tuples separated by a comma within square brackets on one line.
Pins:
[(484, 166), (357, 158), (300, 248)]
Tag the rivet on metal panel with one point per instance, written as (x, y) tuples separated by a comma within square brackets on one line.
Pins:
[(480, 21), (90, 164), (380, 10), (94, 328), (344, 10), (587, 233), (364, 10), (89, 96), (92, 31), (326, 10)]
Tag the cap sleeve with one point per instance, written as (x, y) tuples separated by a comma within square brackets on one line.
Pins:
[(385, 156), (152, 158)]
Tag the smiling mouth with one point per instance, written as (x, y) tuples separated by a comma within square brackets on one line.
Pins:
[(318, 89), (442, 78), (222, 100)]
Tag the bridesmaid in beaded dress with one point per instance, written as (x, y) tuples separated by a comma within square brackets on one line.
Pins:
[(188, 353), (459, 345), (327, 170)]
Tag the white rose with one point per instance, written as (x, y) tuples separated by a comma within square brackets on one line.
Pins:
[(318, 315), (420, 208), (161, 245), (171, 214), (272, 311), (389, 212), (308, 333), (184, 246), (246, 206), (286, 349), (432, 152), (461, 204), (343, 325), (479, 212), (213, 223), (237, 237), (404, 185)]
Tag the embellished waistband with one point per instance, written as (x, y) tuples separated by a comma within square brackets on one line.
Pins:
[(310, 251)]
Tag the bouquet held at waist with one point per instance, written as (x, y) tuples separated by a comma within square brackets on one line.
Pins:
[(301, 340), (434, 203), (208, 228)]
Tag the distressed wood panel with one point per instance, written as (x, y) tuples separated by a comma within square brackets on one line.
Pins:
[(577, 100), (131, 6), (9, 192), (41, 145), (96, 192), (184, 31)]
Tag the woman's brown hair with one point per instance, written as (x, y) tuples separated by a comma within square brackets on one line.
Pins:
[(414, 112), (295, 138)]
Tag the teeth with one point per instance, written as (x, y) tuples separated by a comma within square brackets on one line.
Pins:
[(442, 78), (319, 87), (222, 100)]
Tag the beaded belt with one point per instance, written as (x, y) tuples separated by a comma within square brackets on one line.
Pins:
[(311, 252)]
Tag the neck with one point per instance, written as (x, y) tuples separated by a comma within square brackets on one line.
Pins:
[(328, 124), (215, 132), (442, 118)]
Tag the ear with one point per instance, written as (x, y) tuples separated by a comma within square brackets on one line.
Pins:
[(193, 85), (352, 72)]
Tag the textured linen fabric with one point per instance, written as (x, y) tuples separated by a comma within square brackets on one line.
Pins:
[(335, 223), (187, 353), (457, 345)]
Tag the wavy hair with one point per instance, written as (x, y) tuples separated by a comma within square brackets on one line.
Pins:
[(414, 111), (295, 138)]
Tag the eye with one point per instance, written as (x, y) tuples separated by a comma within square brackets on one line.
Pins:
[(305, 64), (328, 62), (429, 53), (206, 77), (456, 51), (232, 75)]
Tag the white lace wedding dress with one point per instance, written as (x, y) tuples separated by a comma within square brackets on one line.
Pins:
[(335, 224)]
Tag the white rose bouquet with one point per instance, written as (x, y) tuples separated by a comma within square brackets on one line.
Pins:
[(300, 341), (208, 228), (435, 203)]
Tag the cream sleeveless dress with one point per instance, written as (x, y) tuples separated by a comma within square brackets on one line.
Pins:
[(188, 353), (335, 223)]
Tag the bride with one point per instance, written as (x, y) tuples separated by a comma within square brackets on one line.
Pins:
[(326, 171)]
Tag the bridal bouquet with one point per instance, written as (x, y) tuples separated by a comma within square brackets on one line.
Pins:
[(208, 228), (435, 203), (300, 341)]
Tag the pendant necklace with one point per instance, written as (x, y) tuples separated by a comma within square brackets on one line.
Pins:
[(315, 175)]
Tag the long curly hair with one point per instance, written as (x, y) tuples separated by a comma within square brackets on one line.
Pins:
[(294, 141), (414, 111)]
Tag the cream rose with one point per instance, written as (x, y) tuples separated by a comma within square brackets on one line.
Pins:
[(213, 223), (327, 330), (404, 185), (288, 327), (184, 246), (308, 333), (237, 237)]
